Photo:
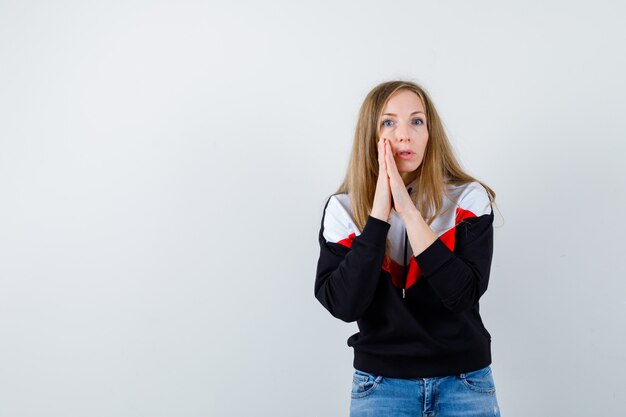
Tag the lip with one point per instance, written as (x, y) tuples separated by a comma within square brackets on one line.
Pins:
[(407, 155)]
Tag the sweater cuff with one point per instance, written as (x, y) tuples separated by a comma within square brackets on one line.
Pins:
[(434, 257), (375, 232)]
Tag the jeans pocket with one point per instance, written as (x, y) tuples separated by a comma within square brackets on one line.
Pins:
[(364, 383), (479, 381)]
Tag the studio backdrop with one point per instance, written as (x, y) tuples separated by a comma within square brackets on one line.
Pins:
[(164, 168)]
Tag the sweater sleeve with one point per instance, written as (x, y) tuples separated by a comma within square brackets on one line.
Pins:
[(349, 265), (461, 276)]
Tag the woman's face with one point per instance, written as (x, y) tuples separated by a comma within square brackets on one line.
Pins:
[(403, 122)]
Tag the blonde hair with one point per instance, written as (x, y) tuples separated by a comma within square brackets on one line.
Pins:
[(439, 166)]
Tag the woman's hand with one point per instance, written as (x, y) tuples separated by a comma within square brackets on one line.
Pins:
[(402, 202), (382, 198)]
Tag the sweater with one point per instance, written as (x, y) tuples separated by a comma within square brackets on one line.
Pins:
[(418, 316)]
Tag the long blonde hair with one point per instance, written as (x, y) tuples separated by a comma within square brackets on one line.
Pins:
[(438, 168)]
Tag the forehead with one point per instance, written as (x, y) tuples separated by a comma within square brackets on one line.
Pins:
[(404, 101)]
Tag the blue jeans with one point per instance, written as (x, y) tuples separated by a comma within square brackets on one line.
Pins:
[(471, 394)]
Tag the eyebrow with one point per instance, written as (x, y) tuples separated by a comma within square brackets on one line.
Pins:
[(395, 115)]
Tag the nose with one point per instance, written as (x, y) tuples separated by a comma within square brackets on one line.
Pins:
[(402, 134)]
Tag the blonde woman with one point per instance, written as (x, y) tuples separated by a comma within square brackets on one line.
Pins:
[(405, 251)]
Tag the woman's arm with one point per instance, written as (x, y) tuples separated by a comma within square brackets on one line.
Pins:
[(349, 266), (349, 269), (420, 234), (460, 276)]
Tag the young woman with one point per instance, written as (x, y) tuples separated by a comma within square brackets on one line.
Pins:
[(406, 247)]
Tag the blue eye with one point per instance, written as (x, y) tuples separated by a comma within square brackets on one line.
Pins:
[(387, 122), (418, 121)]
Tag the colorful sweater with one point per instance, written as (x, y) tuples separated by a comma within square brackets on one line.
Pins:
[(420, 318)]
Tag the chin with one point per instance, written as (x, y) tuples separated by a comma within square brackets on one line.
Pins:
[(407, 168)]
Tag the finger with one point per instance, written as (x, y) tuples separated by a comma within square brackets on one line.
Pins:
[(393, 174), (382, 153), (390, 162)]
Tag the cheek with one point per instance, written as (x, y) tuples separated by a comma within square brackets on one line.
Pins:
[(424, 144)]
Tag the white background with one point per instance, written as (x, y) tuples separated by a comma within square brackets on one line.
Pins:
[(164, 166)]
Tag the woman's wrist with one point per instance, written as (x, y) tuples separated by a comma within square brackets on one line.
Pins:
[(380, 215), (410, 215)]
